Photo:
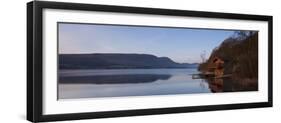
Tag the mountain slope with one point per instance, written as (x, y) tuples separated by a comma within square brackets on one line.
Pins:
[(240, 55), (117, 61)]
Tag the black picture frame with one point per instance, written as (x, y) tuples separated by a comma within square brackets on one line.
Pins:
[(35, 69)]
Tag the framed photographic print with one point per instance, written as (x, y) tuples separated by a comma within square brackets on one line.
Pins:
[(96, 61)]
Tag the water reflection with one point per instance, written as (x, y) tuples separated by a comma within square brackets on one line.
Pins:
[(228, 84), (143, 82), (216, 85), (114, 79)]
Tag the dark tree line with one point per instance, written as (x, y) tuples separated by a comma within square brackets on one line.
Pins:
[(240, 53)]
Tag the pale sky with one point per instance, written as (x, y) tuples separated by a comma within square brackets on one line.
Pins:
[(182, 45)]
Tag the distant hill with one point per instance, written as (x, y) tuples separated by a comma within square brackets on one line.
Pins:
[(117, 61)]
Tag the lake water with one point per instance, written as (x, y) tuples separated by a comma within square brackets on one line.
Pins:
[(142, 82), (134, 82)]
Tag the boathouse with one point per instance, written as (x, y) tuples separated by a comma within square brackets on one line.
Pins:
[(216, 67)]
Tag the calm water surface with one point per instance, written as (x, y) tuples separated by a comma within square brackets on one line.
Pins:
[(128, 82)]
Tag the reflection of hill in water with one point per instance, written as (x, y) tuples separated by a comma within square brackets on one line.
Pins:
[(114, 79)]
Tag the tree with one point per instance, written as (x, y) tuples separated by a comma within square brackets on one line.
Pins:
[(203, 56)]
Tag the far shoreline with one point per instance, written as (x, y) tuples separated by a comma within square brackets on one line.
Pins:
[(126, 68)]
